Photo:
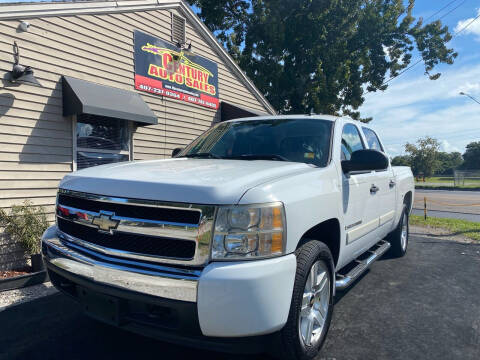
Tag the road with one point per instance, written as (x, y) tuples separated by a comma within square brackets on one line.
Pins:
[(451, 204), (424, 305)]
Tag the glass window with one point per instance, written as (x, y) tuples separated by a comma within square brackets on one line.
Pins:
[(351, 141), (101, 140), (372, 139), (296, 140)]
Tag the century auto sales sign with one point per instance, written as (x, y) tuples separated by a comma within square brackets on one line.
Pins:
[(162, 68)]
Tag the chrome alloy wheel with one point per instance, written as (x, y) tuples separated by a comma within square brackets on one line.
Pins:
[(404, 235), (315, 303)]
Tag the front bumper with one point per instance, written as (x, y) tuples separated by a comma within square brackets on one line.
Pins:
[(222, 300)]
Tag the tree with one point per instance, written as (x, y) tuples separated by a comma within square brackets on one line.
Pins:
[(448, 162), (472, 156), (402, 160), (424, 156), (322, 56)]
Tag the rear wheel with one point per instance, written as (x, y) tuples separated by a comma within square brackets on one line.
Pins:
[(312, 302), (399, 238)]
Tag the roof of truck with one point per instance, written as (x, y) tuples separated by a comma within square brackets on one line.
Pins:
[(268, 117)]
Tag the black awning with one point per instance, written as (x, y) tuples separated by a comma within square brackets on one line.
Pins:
[(230, 111), (85, 97)]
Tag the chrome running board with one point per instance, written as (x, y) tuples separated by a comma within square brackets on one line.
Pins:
[(344, 281)]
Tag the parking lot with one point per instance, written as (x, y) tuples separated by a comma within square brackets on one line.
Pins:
[(423, 306)]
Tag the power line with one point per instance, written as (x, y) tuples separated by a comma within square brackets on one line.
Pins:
[(452, 10), (466, 26), (439, 11)]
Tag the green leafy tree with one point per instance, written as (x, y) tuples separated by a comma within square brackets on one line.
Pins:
[(424, 156), (402, 160), (322, 56), (448, 162), (472, 156)]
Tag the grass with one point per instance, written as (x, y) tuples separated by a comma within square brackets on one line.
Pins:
[(448, 180), (468, 229)]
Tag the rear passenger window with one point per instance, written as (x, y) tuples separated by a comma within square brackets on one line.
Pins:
[(372, 139), (351, 141)]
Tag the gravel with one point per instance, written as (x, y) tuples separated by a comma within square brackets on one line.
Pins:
[(18, 296)]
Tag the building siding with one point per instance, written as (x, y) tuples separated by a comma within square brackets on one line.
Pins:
[(36, 140)]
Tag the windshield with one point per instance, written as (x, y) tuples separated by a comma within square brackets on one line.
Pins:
[(296, 140)]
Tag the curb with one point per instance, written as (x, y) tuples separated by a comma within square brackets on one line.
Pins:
[(22, 281), (451, 188)]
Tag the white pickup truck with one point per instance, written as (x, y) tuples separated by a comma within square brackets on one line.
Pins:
[(238, 242)]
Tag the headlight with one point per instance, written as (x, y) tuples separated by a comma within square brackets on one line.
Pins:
[(247, 231)]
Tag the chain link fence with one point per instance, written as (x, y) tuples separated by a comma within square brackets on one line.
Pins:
[(466, 177)]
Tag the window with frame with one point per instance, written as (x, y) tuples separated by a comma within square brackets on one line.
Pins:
[(372, 139), (101, 140), (351, 141)]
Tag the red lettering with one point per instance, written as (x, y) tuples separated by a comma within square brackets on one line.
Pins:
[(153, 70), (179, 78)]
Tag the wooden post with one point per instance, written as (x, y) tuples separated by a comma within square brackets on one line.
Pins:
[(425, 207)]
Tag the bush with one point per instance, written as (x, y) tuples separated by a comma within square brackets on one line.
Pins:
[(25, 224)]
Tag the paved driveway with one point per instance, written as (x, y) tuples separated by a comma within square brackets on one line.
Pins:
[(423, 306)]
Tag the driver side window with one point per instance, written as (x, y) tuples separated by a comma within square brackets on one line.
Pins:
[(351, 141)]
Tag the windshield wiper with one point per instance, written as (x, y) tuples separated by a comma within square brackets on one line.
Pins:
[(259, 157), (202, 155)]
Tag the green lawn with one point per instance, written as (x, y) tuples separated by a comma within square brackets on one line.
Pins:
[(469, 229), (448, 181)]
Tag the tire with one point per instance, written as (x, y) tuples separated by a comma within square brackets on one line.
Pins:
[(309, 307), (398, 239)]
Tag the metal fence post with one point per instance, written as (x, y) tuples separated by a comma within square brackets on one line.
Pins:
[(425, 207)]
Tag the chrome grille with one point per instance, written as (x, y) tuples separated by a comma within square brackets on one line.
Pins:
[(171, 233)]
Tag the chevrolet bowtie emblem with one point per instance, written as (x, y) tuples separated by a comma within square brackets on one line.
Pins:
[(104, 221)]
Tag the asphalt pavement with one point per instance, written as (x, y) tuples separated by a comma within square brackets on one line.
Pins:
[(423, 306)]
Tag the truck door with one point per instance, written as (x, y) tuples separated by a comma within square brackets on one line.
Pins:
[(385, 183), (360, 215)]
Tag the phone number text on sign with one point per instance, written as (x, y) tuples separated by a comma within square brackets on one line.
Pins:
[(143, 84)]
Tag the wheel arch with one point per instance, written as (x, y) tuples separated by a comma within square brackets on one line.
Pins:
[(328, 232), (407, 200)]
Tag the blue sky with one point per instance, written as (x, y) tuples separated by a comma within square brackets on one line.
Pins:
[(414, 106)]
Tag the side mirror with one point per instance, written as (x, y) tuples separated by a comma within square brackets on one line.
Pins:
[(365, 160), (176, 151)]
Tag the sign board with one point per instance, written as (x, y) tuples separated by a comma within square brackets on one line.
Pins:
[(162, 68)]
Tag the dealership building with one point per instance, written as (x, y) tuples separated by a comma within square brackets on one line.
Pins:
[(95, 82)]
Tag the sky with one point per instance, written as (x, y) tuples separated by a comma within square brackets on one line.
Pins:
[(414, 106)]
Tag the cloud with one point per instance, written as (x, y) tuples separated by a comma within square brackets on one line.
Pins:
[(447, 147), (414, 107), (474, 28)]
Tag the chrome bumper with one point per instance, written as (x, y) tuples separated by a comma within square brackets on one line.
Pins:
[(156, 280)]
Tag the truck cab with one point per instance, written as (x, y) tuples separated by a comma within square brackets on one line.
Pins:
[(242, 238)]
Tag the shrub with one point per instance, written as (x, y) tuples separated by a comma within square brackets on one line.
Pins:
[(25, 224)]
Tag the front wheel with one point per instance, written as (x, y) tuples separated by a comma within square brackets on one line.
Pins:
[(312, 302)]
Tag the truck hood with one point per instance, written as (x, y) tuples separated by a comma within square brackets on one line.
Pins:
[(199, 181)]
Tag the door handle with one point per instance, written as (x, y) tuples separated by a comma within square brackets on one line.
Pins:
[(392, 184), (374, 189)]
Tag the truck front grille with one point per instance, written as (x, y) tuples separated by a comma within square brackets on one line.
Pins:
[(164, 232), (133, 243)]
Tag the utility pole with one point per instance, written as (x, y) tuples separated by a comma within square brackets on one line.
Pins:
[(471, 97)]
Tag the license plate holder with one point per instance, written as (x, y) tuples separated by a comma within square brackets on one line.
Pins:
[(100, 306)]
